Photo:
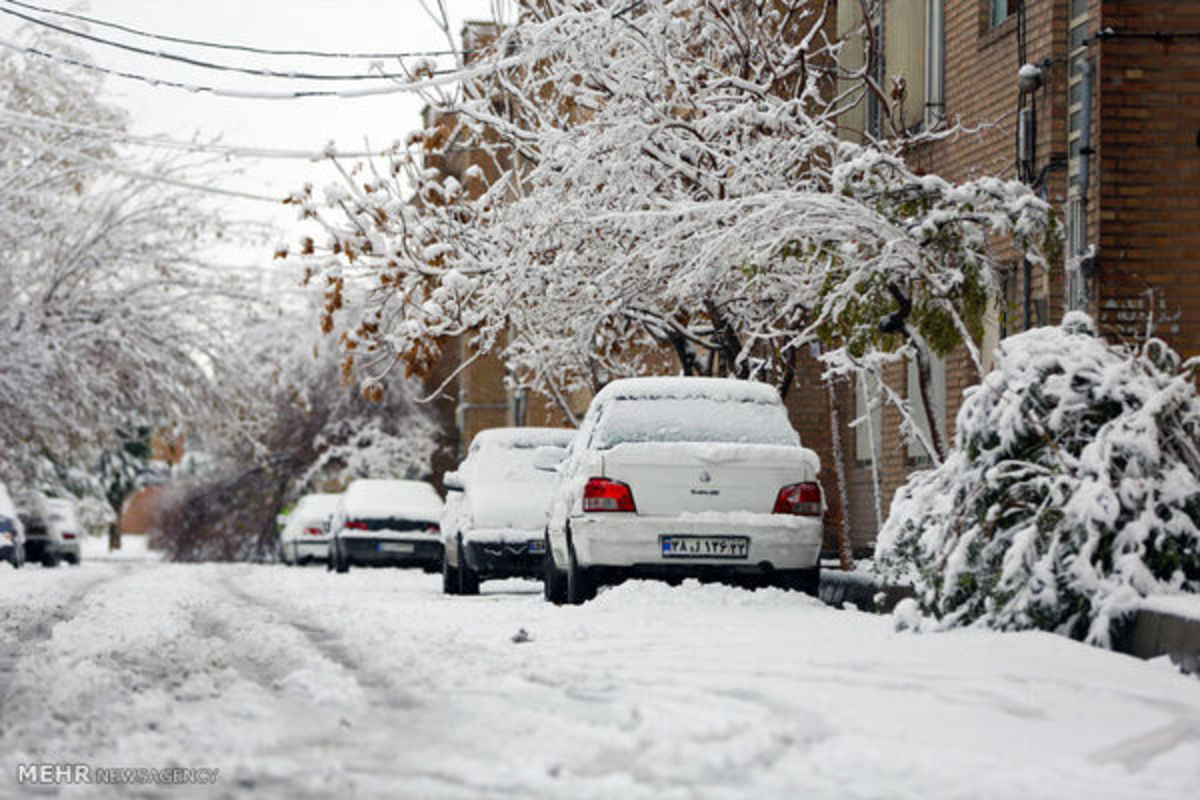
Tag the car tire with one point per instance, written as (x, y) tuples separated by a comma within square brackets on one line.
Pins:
[(341, 563), (468, 579), (449, 577), (554, 580), (50, 560), (581, 585)]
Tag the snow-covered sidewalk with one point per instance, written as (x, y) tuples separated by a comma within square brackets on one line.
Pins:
[(301, 683)]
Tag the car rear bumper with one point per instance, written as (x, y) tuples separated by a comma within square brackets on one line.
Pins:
[(506, 559), (369, 551), (775, 543), (311, 548), (37, 547)]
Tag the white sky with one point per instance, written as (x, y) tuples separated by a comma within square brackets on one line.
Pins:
[(327, 25)]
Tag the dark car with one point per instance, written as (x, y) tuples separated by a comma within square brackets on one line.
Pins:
[(386, 523)]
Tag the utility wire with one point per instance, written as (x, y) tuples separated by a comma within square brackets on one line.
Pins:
[(43, 123), (196, 62), (109, 166), (439, 78), (235, 47)]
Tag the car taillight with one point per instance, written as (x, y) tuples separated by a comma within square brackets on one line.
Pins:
[(601, 494), (315, 531), (68, 535), (433, 528), (801, 499), (356, 525)]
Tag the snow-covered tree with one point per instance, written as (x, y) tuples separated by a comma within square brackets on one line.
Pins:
[(107, 304), (657, 178), (304, 426), (1073, 489)]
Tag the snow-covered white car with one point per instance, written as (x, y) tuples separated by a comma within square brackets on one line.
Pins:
[(305, 535), (42, 542), (671, 478), (65, 529), (494, 521), (12, 531), (387, 523)]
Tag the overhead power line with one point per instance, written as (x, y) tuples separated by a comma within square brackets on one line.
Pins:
[(439, 78), (436, 79), (234, 47), (119, 169), (197, 62), (43, 123)]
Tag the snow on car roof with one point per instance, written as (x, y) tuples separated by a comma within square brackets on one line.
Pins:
[(62, 510), (524, 437), (317, 505), (7, 508), (389, 498), (727, 389)]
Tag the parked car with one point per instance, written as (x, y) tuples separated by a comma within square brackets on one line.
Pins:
[(671, 478), (12, 531), (41, 542), (66, 531), (387, 523), (305, 535), (494, 521)]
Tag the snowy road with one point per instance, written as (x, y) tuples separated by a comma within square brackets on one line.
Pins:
[(301, 683)]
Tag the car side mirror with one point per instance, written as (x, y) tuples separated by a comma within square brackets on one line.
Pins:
[(548, 458), (452, 481)]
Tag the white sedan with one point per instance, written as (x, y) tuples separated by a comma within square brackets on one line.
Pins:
[(305, 535), (672, 478)]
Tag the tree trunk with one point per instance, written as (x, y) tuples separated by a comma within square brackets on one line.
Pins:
[(924, 378), (845, 551)]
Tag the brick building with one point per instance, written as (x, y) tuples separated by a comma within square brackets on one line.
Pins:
[(1110, 135), (1108, 132)]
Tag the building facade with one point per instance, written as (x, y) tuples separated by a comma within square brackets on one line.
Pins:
[(1104, 123)]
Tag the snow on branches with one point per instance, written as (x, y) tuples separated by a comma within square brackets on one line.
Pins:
[(1073, 490), (665, 177), (106, 307)]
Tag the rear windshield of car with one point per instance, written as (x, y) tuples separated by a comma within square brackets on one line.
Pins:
[(693, 419), (6, 526), (509, 464), (394, 524)]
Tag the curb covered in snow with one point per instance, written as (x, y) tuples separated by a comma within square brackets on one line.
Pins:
[(1152, 632), (860, 590)]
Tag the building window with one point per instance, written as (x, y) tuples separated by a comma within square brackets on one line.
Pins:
[(867, 427), (900, 67), (937, 395), (1002, 10)]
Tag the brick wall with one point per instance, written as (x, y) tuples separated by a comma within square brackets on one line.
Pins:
[(1148, 173)]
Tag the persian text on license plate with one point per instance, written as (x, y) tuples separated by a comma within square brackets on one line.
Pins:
[(395, 547), (705, 546)]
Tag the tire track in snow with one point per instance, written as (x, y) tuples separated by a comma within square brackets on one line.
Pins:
[(379, 687), (37, 623)]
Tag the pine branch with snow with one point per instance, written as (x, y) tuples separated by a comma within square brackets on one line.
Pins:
[(1073, 490)]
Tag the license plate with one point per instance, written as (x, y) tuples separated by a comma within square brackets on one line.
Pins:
[(395, 547), (705, 546), (537, 546)]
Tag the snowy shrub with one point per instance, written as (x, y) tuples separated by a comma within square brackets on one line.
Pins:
[(1072, 490)]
